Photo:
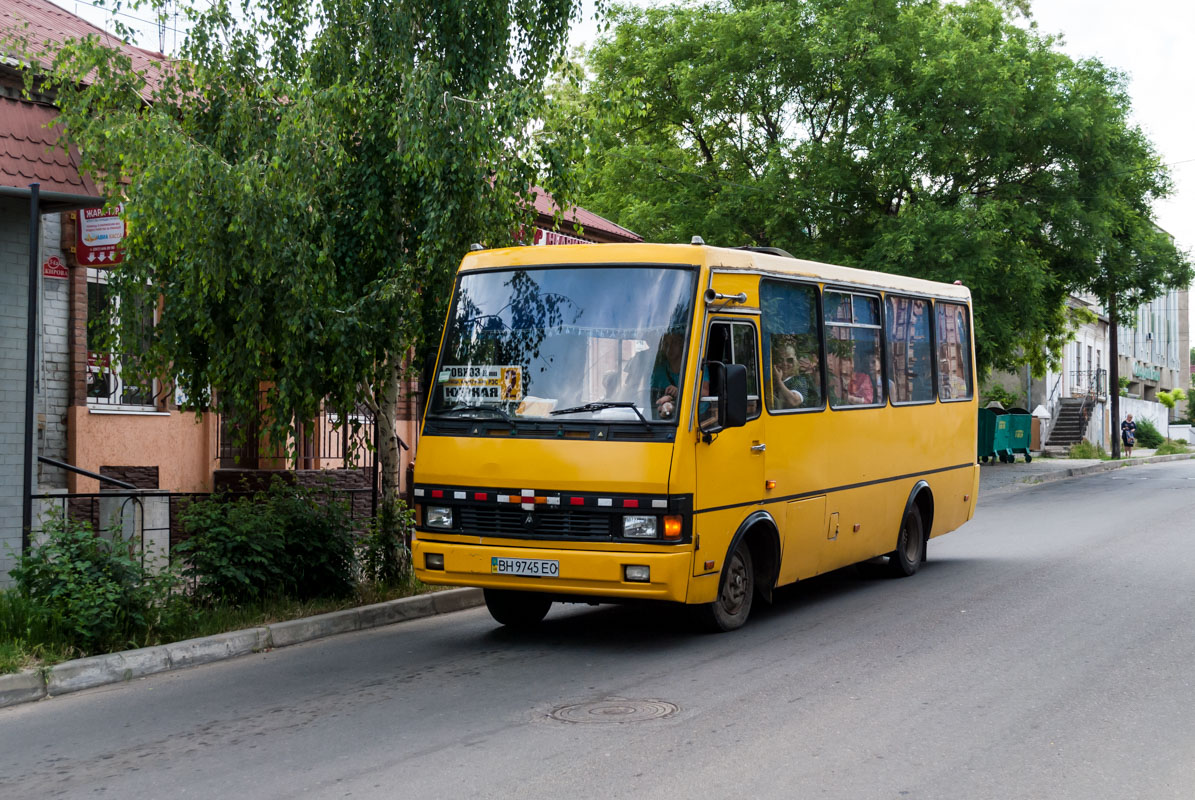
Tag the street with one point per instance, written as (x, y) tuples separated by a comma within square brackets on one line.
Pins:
[(1046, 650)]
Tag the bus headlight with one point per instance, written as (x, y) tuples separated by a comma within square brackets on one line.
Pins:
[(638, 527), (438, 517)]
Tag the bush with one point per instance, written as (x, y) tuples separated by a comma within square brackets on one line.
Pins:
[(87, 591), (1086, 449), (1147, 434), (995, 393), (279, 542), (385, 558), (1171, 447)]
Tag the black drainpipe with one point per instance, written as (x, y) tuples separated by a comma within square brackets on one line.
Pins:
[(31, 360)]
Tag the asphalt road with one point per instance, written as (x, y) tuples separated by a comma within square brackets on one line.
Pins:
[(1047, 650)]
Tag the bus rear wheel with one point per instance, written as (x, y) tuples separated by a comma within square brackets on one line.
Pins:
[(730, 611), (910, 545), (517, 609)]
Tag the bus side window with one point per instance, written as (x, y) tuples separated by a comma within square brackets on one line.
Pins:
[(954, 351), (731, 343), (910, 352), (792, 346)]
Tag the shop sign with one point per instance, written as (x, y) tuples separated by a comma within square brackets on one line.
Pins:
[(1147, 373), (98, 235), (553, 237), (53, 268)]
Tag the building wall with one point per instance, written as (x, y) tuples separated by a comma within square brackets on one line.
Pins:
[(14, 301), (181, 446), (1153, 345)]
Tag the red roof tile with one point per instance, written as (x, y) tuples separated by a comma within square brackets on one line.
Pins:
[(41, 22), (28, 153)]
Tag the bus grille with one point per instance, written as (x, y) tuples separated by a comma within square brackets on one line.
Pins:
[(490, 521)]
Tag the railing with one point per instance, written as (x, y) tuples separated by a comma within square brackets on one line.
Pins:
[(330, 441), (1096, 386)]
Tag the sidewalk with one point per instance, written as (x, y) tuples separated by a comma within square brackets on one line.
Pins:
[(87, 673), (997, 478)]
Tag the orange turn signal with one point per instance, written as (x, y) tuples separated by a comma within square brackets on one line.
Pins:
[(418, 514), (769, 485), (672, 527)]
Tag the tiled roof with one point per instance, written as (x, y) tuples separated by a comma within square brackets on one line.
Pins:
[(545, 205), (28, 153), (27, 146), (41, 22)]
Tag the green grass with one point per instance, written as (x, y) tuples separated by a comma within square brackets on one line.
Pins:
[(1086, 449), (28, 640), (1171, 447)]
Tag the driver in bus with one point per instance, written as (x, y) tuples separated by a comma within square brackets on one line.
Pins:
[(665, 376)]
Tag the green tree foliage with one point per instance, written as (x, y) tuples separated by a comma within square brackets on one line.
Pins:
[(300, 184), (932, 139)]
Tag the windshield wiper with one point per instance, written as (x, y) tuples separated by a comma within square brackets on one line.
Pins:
[(598, 406), (450, 412)]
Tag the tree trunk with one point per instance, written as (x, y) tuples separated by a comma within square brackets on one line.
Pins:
[(388, 453), (1113, 375)]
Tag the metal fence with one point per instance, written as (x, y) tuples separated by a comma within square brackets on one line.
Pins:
[(151, 519), (330, 441)]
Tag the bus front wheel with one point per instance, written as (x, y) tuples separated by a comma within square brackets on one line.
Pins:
[(517, 609), (910, 545), (733, 605)]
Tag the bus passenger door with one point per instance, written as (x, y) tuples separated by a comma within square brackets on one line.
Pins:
[(730, 468)]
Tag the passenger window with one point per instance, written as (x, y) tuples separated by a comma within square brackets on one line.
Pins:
[(853, 374), (731, 343), (792, 347), (910, 352), (954, 351)]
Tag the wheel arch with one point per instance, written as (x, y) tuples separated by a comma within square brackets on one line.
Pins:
[(762, 537)]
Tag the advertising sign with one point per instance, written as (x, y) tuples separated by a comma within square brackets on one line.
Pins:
[(98, 235), (481, 384)]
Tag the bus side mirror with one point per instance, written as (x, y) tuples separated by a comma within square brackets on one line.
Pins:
[(728, 390)]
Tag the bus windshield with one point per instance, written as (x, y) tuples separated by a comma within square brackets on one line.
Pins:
[(566, 343)]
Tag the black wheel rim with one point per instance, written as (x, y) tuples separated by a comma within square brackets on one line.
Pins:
[(737, 587)]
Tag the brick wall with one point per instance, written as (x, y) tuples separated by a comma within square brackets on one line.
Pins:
[(14, 302), (141, 477), (54, 368)]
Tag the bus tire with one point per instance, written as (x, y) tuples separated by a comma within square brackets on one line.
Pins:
[(735, 593), (910, 545), (517, 609)]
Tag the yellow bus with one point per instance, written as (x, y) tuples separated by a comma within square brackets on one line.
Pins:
[(690, 424)]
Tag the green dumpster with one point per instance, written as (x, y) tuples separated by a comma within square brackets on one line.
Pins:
[(1002, 436), (1020, 433), (987, 432)]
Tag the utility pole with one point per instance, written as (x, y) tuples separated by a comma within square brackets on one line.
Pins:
[(1114, 374)]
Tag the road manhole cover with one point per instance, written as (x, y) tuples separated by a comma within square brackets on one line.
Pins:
[(614, 710)]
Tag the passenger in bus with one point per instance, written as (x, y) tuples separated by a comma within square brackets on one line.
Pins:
[(794, 378), (848, 386)]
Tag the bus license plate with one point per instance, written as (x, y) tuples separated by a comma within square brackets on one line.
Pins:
[(529, 567)]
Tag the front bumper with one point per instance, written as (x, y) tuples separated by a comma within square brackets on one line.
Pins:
[(585, 573)]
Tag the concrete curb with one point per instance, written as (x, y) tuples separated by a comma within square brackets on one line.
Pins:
[(1091, 469), (87, 673)]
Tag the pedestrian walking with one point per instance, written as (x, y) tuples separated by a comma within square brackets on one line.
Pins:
[(1128, 434)]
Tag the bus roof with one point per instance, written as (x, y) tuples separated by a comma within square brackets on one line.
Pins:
[(722, 258)]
